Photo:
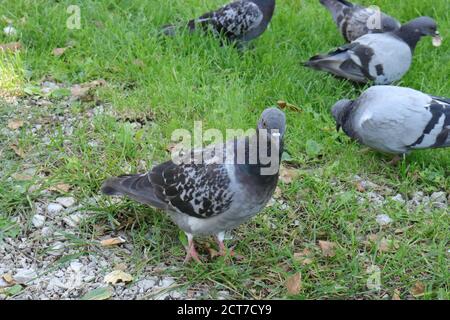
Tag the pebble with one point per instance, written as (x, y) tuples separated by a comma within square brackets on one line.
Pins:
[(24, 275), (54, 208), (146, 284), (66, 201), (74, 219), (76, 266), (38, 220), (166, 282), (9, 31), (398, 198), (56, 249), (383, 219)]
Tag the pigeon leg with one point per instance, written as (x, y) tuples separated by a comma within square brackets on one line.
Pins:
[(223, 250), (396, 160), (191, 253)]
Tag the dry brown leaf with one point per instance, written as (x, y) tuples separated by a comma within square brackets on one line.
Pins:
[(282, 104), (15, 124), (294, 283), (384, 245), (303, 257), (120, 266), (118, 276), (21, 177), (278, 193), (112, 241), (327, 248), (81, 91), (8, 278), (61, 188), (12, 46), (287, 175), (418, 289), (396, 295), (19, 151), (59, 51), (360, 187)]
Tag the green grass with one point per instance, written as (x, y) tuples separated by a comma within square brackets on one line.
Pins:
[(190, 78)]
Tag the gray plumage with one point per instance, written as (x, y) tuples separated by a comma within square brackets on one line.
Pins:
[(395, 119), (355, 21), (209, 197), (240, 21), (379, 57)]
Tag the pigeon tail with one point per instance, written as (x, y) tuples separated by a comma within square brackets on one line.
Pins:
[(137, 187)]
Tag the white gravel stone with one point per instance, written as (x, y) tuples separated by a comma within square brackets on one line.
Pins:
[(398, 198), (76, 266), (146, 284), (74, 219), (439, 200), (38, 220), (56, 249), (54, 208), (166, 282), (383, 219), (10, 31), (46, 231), (24, 275), (66, 201)]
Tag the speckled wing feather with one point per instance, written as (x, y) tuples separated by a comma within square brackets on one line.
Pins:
[(233, 20), (198, 190)]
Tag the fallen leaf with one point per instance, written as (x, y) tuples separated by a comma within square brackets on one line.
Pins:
[(120, 266), (15, 124), (81, 91), (303, 257), (396, 295), (61, 188), (418, 289), (294, 284), (59, 51), (327, 248), (12, 291), (112, 241), (118, 276), (19, 151), (102, 293), (360, 187), (287, 175), (8, 278), (278, 193), (384, 245), (12, 46), (282, 104), (21, 177)]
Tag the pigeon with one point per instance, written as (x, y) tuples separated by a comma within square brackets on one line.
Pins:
[(239, 21), (379, 57), (217, 194), (395, 120), (355, 21)]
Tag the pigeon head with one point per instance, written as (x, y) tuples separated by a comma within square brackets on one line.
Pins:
[(390, 25), (274, 121), (341, 111), (412, 31)]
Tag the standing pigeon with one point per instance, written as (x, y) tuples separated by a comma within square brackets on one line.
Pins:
[(379, 57), (239, 21), (395, 119), (212, 196), (355, 21)]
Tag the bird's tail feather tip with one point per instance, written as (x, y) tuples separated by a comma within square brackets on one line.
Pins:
[(108, 188)]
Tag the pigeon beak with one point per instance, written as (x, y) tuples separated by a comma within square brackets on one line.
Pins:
[(437, 39)]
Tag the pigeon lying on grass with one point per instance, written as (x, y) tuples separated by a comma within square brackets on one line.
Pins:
[(211, 197), (240, 21), (355, 21), (379, 57), (395, 119)]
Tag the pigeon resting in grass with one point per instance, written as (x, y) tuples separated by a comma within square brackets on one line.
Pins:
[(213, 196), (355, 21), (240, 21), (395, 119), (379, 57)]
